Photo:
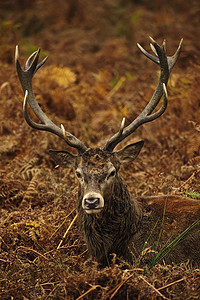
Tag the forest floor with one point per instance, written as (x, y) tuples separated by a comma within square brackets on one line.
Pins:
[(95, 75)]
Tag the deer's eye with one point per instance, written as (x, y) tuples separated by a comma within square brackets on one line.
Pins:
[(78, 174), (112, 174)]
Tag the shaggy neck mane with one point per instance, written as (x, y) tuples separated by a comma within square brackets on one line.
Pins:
[(113, 229)]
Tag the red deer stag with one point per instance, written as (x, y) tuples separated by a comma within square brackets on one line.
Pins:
[(110, 220)]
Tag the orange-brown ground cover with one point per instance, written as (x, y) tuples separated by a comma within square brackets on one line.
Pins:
[(95, 75)]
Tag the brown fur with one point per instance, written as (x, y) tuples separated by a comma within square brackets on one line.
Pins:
[(112, 230), (180, 213)]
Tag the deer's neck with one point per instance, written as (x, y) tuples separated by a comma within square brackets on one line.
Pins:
[(113, 229)]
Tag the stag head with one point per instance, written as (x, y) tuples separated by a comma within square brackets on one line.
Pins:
[(96, 170)]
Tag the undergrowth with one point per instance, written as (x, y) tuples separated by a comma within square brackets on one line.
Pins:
[(42, 255)]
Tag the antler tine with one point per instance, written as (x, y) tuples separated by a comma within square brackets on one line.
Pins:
[(25, 78), (29, 60), (166, 64), (173, 59)]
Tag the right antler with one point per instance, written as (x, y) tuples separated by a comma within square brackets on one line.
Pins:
[(166, 64), (47, 125)]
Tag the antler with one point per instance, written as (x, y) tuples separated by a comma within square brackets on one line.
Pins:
[(166, 64), (25, 78)]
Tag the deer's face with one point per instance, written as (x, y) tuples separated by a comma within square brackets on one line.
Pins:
[(96, 171)]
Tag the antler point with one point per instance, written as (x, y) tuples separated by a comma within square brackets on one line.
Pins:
[(181, 43), (153, 49), (141, 48), (16, 53), (165, 89), (25, 99), (152, 40), (63, 130), (123, 123)]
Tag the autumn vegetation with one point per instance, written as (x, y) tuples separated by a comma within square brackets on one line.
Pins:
[(95, 75)]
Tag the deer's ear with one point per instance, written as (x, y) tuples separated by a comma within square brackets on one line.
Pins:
[(129, 153), (64, 158)]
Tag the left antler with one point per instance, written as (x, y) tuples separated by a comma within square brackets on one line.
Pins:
[(166, 64)]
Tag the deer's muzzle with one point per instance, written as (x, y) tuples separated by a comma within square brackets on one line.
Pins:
[(92, 203)]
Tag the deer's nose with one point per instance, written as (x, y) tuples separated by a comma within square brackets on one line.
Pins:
[(91, 203)]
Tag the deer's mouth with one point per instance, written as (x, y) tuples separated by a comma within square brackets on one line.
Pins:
[(93, 211)]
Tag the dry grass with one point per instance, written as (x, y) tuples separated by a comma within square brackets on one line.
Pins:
[(42, 255)]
